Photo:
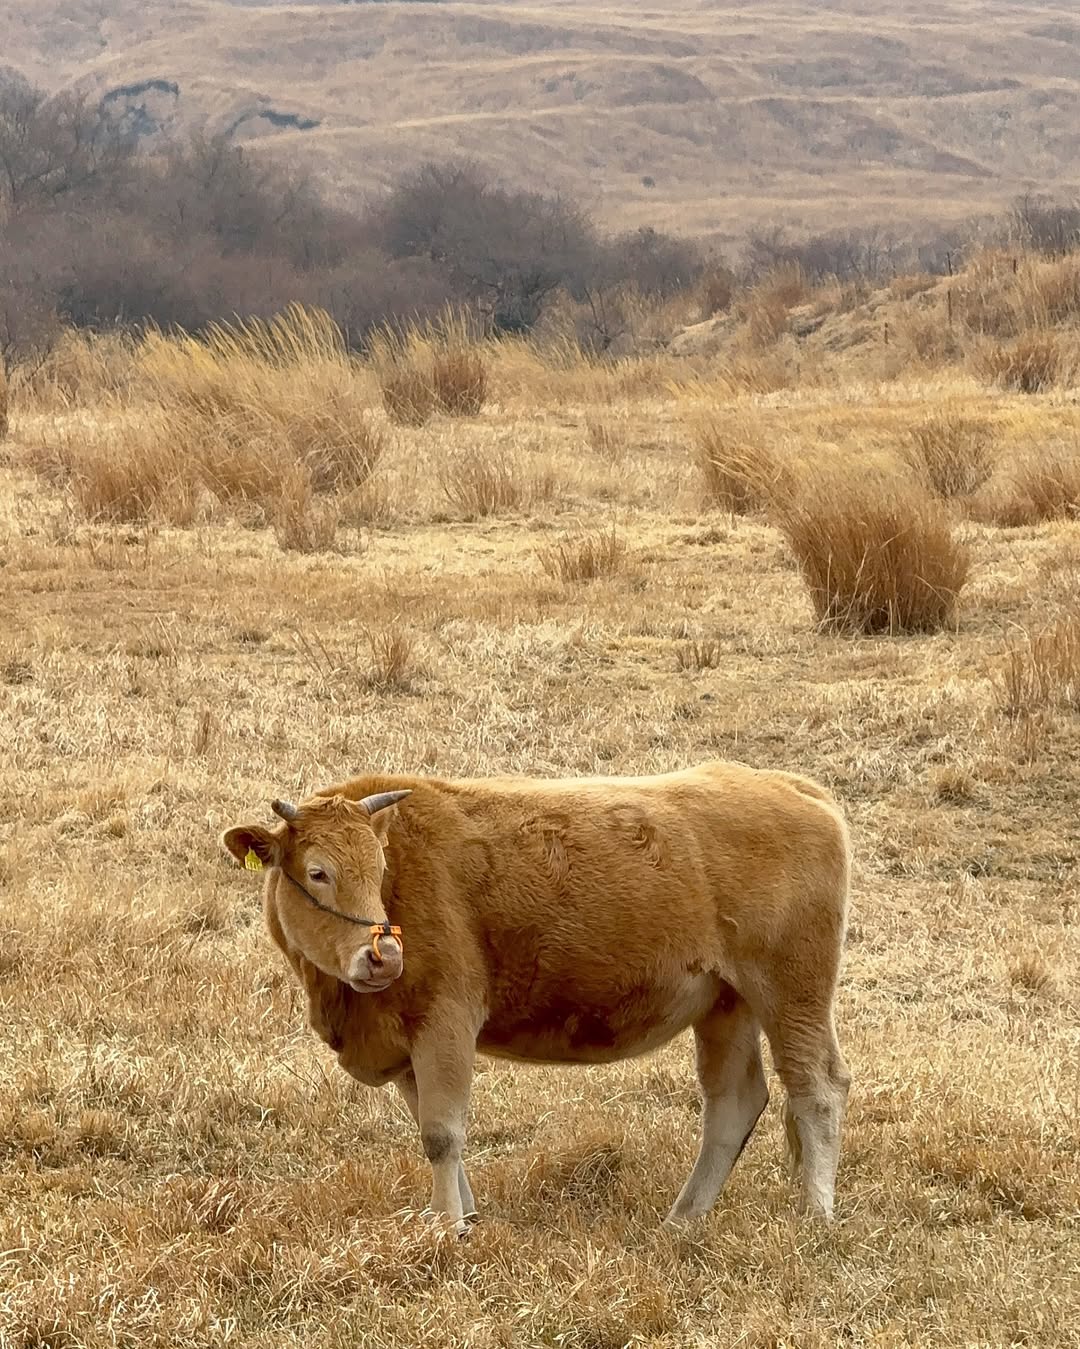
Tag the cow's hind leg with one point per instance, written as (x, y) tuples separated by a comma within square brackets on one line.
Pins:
[(813, 1071), (407, 1086), (733, 1096)]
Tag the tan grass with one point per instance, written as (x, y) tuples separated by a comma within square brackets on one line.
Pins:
[(586, 557), (952, 452), (1042, 670), (185, 1165), (460, 379), (1033, 362), (877, 553), (1041, 484), (480, 482), (739, 467), (407, 395)]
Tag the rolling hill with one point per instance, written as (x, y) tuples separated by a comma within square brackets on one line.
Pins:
[(685, 114)]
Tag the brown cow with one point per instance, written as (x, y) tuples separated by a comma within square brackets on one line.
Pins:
[(574, 921)]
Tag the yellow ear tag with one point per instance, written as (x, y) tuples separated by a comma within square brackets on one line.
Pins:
[(253, 861)]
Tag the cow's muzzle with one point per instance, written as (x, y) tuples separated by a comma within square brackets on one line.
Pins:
[(377, 964)]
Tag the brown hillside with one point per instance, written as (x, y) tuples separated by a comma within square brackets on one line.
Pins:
[(679, 114)]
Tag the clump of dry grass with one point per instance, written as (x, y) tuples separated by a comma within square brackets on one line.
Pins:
[(878, 554), (585, 558), (241, 416), (282, 391), (4, 396), (739, 468), (459, 375), (1033, 362), (698, 655), (391, 664), (1041, 671), (952, 452), (304, 523), (479, 482), (607, 438), (1042, 484), (442, 367)]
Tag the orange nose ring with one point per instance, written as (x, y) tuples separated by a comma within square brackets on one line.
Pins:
[(383, 930)]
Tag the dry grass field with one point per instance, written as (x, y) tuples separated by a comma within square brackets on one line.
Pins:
[(227, 574), (697, 117)]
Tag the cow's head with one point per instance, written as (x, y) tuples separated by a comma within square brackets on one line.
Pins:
[(329, 852)]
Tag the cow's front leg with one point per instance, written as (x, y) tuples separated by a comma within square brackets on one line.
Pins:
[(407, 1086), (442, 1064)]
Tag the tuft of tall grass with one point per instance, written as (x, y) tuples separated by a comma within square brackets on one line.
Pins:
[(601, 553), (442, 366), (1035, 361), (1041, 671), (459, 375), (877, 552), (283, 390), (1042, 484), (304, 523), (739, 469), (951, 452), (479, 483)]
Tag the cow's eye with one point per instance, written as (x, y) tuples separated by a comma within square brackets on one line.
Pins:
[(318, 875)]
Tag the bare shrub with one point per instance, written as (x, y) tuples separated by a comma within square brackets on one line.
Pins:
[(1035, 361), (478, 484), (586, 558), (878, 554), (459, 377), (952, 453), (738, 468), (1041, 671)]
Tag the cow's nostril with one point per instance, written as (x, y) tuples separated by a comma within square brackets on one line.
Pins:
[(373, 959)]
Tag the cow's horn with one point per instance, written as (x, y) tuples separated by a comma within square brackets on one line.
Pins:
[(285, 809), (380, 801)]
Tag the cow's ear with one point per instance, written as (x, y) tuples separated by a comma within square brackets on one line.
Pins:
[(254, 846)]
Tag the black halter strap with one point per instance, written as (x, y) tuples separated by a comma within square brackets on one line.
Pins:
[(377, 930)]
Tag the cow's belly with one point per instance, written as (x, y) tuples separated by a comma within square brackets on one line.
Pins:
[(559, 1029)]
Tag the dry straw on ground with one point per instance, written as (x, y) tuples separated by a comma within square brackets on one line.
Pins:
[(183, 1164)]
